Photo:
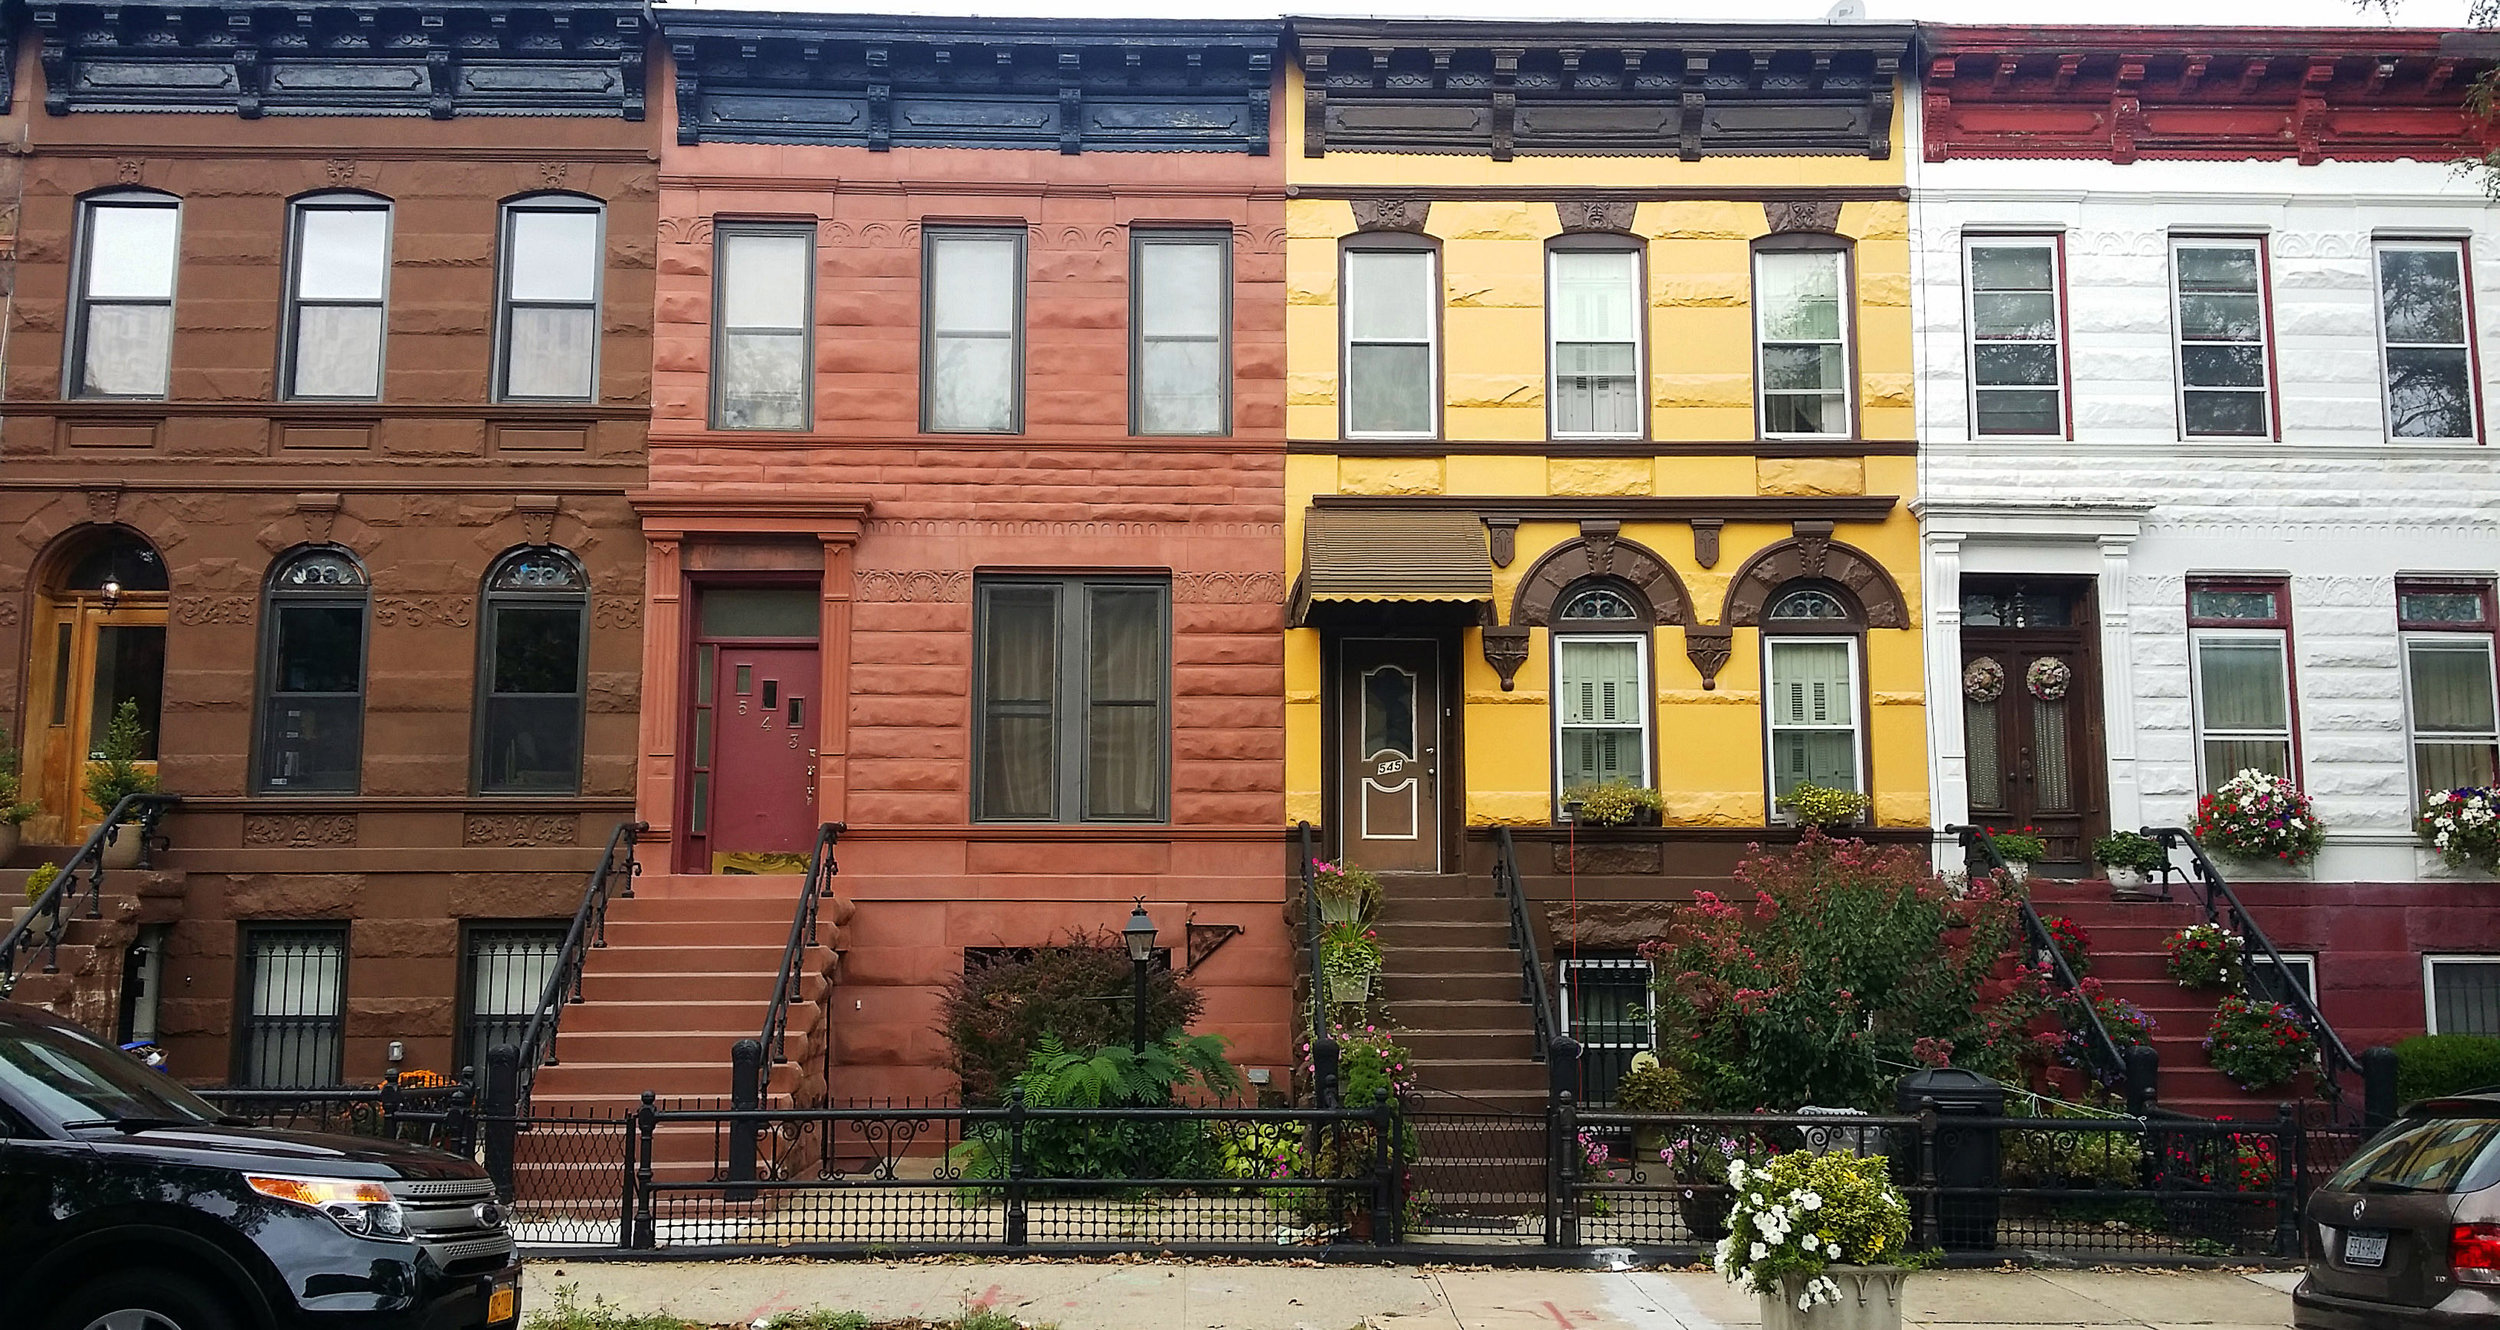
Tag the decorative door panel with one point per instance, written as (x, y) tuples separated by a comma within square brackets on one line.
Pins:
[(2031, 725), (1389, 713), (762, 737)]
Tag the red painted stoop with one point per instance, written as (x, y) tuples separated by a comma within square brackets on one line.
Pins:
[(2129, 959)]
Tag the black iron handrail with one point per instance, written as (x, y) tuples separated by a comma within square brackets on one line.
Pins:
[(1310, 928), (1980, 859), (589, 932), (52, 907), (820, 872), (2220, 901), (1532, 989)]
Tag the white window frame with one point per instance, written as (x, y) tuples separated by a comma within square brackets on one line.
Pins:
[(298, 213), (2430, 993), (1645, 703), (1640, 342), (2265, 333), (2302, 964), (73, 370), (1839, 259), (2475, 639), (505, 303), (1432, 295), (1972, 242), (2206, 779), (2465, 310), (1771, 727)]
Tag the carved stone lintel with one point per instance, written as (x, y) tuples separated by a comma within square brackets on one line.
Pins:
[(318, 829), (1706, 541), (1709, 649), (1787, 215), (538, 517), (1406, 215), (517, 829), (1506, 649), (1814, 539), (320, 513), (1578, 215), (1505, 539)]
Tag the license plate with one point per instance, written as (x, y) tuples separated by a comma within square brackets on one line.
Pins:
[(503, 1303), (2365, 1248)]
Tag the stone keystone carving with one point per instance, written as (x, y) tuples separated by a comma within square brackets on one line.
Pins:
[(1595, 215), (1785, 215), (1392, 214), (1709, 649), (1506, 649)]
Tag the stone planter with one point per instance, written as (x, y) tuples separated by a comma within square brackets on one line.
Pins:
[(17, 914), (2018, 870), (1341, 910), (2237, 869), (2128, 881), (1870, 1299), (123, 850)]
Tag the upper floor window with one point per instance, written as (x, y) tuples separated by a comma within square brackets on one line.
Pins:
[(2017, 337), (2450, 706), (2239, 636), (764, 295), (530, 675), (338, 279), (122, 327), (1601, 688), (552, 246), (2427, 332), (1392, 320), (1810, 644), (1801, 335), (972, 368), (312, 703), (1070, 699), (1181, 362), (1594, 341), (2225, 347)]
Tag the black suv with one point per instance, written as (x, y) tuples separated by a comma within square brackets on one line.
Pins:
[(128, 1203)]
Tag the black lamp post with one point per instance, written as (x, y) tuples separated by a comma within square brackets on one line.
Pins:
[(1140, 936)]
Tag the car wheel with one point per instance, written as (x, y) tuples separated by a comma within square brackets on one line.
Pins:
[(143, 1301)]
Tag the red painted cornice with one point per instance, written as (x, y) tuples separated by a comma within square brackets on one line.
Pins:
[(2124, 94)]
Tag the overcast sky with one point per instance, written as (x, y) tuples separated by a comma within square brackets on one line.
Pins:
[(2428, 13)]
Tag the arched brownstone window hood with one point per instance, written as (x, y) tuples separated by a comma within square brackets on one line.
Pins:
[(1813, 556)]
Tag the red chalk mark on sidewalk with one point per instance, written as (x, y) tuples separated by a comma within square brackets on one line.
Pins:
[(1560, 1319), (989, 1297)]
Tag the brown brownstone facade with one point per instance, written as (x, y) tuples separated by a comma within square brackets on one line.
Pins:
[(899, 528), (224, 476)]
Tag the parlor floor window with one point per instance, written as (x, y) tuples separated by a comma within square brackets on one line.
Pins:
[(1812, 699), (531, 675), (312, 704), (1071, 700), (2239, 634)]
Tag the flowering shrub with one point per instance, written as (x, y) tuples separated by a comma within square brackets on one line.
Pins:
[(2205, 956), (1842, 961), (2254, 815), (2072, 942), (2259, 1045), (1077, 988), (1370, 1061), (2018, 847), (2464, 826), (2237, 1162), (1805, 1212), (2128, 1025)]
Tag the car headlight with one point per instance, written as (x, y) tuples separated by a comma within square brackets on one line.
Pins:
[(364, 1209)]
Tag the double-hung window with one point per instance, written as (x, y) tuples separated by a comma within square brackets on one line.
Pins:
[(1812, 698), (1801, 340), (1594, 307), (312, 703), (531, 674), (2426, 332), (122, 331), (2017, 338), (338, 280), (549, 324), (763, 293), (2239, 637), (1071, 699), (2450, 705), (2225, 352), (1601, 690), (1181, 309), (972, 369), (294, 1006), (1392, 322)]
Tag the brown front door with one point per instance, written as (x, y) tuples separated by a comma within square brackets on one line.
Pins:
[(2030, 712), (1388, 752)]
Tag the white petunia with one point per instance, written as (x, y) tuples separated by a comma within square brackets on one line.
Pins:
[(1759, 1251), (1805, 1302), (1812, 1242), (1811, 1201)]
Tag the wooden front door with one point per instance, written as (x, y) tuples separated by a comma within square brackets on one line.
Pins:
[(2031, 712), (1388, 754), (89, 658), (753, 796)]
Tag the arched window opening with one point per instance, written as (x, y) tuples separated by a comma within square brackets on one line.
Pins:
[(1601, 687), (1812, 642), (531, 671), (313, 674)]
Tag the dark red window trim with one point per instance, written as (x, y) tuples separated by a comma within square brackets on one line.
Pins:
[(2481, 588), (2281, 622)]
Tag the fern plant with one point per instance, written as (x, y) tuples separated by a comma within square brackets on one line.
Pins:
[(1111, 1078)]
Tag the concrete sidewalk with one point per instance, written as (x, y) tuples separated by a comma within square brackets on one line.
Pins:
[(1150, 1295)]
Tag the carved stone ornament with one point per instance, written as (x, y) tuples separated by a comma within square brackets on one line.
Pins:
[(129, 169), (1223, 587), (1709, 649), (1812, 553), (1599, 552), (519, 829), (340, 170), (538, 516), (104, 502), (320, 513), (1787, 215), (1505, 539), (1579, 215), (1706, 541), (949, 586), (1506, 649), (296, 832), (1392, 215)]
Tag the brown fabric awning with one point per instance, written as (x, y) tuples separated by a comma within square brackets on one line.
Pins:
[(1376, 556)]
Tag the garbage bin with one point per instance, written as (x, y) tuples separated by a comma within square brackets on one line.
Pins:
[(1966, 1157)]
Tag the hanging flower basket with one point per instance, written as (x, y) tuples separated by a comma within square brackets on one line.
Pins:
[(2049, 678), (2260, 817), (1983, 680)]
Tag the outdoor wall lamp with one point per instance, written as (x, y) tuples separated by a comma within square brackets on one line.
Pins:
[(1140, 936)]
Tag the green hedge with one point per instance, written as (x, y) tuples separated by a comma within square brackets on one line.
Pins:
[(2437, 1064)]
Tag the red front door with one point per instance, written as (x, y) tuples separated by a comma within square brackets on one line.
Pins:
[(762, 768)]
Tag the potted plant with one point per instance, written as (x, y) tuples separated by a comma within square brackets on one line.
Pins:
[(2019, 849), (2463, 825), (1811, 805), (1816, 1235), (2260, 818), (37, 883), (1349, 954), (1346, 895), (1648, 1086), (2205, 956), (1697, 1161), (2259, 1045), (1615, 803), (2130, 859), (13, 810), (118, 774)]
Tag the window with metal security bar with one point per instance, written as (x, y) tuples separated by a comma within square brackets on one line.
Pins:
[(1813, 706), (2461, 994), (1606, 1007), (294, 1003), (507, 968)]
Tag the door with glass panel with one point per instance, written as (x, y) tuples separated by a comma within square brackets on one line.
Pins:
[(1388, 750), (98, 641), (749, 794), (2030, 715)]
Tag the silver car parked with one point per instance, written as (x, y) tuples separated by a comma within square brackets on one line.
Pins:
[(2406, 1235)]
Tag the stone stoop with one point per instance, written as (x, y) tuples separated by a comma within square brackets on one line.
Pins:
[(1451, 978), (87, 987)]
